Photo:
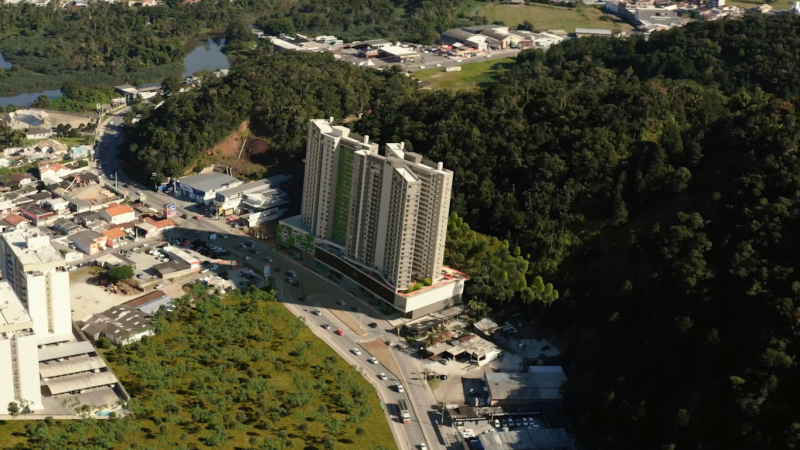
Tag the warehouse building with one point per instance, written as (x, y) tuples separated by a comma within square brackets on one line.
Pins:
[(541, 385), (203, 188)]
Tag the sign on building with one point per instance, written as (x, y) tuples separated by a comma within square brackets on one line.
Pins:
[(170, 210), (266, 270)]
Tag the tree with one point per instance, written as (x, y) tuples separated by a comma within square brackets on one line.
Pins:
[(118, 273), (526, 26), (13, 409)]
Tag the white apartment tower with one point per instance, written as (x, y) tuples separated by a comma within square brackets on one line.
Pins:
[(37, 273), (387, 213), (19, 362)]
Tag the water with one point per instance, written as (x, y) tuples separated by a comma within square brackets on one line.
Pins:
[(202, 53), (205, 53), (4, 64)]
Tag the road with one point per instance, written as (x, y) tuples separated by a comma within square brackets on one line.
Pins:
[(424, 414), (430, 61)]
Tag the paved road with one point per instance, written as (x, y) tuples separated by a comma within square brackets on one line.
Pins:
[(423, 414)]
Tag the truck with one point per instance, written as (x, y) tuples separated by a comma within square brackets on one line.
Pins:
[(404, 411)]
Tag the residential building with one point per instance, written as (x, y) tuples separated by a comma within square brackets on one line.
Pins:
[(115, 237), (52, 170), (39, 133), (16, 222), (122, 324), (38, 215), (117, 214), (385, 215), (150, 227), (15, 180), (66, 227), (56, 205), (19, 367), (203, 188), (80, 152), (37, 273), (89, 242)]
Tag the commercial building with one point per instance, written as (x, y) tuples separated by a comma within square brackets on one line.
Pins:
[(19, 370), (541, 384), (380, 220), (586, 32), (120, 324), (151, 302), (203, 188), (89, 242), (37, 273), (256, 202)]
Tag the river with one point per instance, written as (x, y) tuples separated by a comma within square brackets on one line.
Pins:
[(202, 53)]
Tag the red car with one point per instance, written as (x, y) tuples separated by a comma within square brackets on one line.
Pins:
[(339, 332), (197, 217)]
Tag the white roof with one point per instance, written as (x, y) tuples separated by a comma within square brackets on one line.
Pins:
[(397, 51), (73, 365), (11, 309), (65, 350), (78, 382), (32, 246)]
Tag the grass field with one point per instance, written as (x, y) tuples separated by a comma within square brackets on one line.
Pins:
[(777, 5), (234, 373), (545, 17), (472, 75)]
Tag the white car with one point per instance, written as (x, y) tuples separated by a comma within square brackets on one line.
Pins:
[(400, 388), (382, 376), (356, 351), (373, 360), (159, 285), (317, 312), (423, 446)]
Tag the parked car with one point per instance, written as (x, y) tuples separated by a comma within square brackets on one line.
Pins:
[(159, 285), (496, 423), (356, 351)]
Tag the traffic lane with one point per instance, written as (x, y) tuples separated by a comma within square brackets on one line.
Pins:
[(343, 344), (346, 344)]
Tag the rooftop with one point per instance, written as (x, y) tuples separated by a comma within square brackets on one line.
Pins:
[(117, 210), (15, 219), (592, 31), (543, 385), (32, 246), (146, 298), (398, 51), (118, 321), (265, 185), (208, 181), (87, 237), (80, 382), (171, 267), (12, 312), (65, 350), (114, 233), (525, 440), (77, 364)]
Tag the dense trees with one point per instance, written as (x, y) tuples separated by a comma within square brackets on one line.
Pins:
[(653, 183), (222, 373)]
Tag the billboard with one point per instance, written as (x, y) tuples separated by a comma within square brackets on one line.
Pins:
[(170, 210), (266, 270)]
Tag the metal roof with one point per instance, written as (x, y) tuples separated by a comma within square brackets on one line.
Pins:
[(525, 386), (542, 439), (209, 181), (79, 382), (592, 31), (70, 366), (65, 350)]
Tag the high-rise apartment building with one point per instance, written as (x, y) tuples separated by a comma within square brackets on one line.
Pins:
[(387, 213), (37, 273), (19, 363)]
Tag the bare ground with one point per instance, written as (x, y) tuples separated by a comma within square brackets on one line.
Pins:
[(383, 352)]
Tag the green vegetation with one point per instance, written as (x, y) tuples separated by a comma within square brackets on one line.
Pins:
[(547, 17), (653, 182), (473, 75), (240, 372), (77, 98), (119, 273)]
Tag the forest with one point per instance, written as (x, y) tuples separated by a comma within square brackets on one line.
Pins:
[(233, 372), (108, 43), (646, 192)]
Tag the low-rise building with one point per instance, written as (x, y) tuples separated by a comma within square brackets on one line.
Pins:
[(16, 180), (52, 170), (202, 188), (16, 222), (541, 385), (115, 237), (117, 214), (120, 324), (151, 302), (527, 439), (89, 242), (173, 269), (587, 32), (56, 205), (66, 227), (38, 215)]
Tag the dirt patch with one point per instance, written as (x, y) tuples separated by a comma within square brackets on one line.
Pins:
[(383, 352), (345, 318), (230, 146)]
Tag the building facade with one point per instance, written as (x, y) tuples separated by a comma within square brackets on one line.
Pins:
[(37, 273), (387, 213), (19, 364)]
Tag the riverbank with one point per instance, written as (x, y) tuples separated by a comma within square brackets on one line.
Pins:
[(22, 87)]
